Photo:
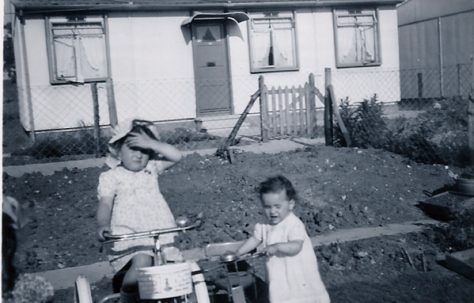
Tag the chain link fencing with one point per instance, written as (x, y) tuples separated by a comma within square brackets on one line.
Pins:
[(420, 113), (428, 124), (67, 120)]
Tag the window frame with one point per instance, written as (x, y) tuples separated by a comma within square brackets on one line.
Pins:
[(273, 15), (51, 51), (361, 11)]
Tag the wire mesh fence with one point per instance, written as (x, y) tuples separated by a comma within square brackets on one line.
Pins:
[(421, 113), (429, 123)]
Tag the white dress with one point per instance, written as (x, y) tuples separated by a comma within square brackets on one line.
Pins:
[(292, 279), (138, 206)]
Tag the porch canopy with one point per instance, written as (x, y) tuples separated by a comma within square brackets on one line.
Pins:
[(235, 16)]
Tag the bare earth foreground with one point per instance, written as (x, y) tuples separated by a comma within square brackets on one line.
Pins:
[(338, 188)]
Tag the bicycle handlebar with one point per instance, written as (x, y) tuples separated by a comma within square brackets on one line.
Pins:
[(151, 233)]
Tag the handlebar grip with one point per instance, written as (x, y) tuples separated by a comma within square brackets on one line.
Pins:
[(106, 234)]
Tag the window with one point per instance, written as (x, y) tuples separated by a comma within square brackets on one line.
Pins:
[(77, 50), (272, 42), (356, 35)]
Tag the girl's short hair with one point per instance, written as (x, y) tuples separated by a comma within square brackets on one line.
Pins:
[(277, 184)]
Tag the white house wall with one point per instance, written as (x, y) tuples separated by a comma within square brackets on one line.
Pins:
[(151, 60), (152, 66), (58, 106)]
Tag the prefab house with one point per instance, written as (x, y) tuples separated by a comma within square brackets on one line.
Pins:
[(436, 47), (180, 60)]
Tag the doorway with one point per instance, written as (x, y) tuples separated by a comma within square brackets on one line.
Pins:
[(211, 68)]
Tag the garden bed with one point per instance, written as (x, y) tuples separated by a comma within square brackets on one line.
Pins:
[(338, 188)]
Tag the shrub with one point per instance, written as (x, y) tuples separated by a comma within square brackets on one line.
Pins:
[(30, 288), (183, 135), (364, 123), (438, 135)]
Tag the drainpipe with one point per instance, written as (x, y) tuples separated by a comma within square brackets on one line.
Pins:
[(26, 75)]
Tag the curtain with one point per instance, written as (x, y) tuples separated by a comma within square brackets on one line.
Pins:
[(260, 49), (272, 43), (65, 62), (356, 40), (92, 59), (283, 48), (79, 52)]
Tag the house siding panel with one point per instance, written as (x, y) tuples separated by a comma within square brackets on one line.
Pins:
[(152, 66)]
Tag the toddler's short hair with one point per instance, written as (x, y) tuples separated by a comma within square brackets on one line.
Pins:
[(277, 184)]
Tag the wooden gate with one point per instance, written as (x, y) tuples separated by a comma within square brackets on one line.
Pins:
[(288, 111)]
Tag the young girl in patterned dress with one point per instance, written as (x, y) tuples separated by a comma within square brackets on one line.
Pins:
[(130, 199), (292, 269)]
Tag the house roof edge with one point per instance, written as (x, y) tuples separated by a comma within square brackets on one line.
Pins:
[(48, 7)]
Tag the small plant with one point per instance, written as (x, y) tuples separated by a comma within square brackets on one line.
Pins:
[(364, 122), (30, 288), (439, 135)]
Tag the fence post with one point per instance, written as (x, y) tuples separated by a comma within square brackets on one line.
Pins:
[(328, 123), (420, 85), (470, 116), (263, 109), (312, 107), (95, 104), (441, 61), (111, 102), (458, 71)]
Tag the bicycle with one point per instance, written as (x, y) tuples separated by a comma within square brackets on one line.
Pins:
[(172, 282), (238, 278), (185, 281)]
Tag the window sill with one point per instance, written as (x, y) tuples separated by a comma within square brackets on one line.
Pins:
[(70, 82), (358, 65), (274, 70)]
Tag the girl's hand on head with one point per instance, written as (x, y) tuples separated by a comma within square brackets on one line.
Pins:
[(101, 230), (140, 140)]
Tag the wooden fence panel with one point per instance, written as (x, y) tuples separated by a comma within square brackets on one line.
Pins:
[(274, 126), (301, 95), (288, 111)]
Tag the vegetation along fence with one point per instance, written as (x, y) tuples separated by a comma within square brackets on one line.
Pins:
[(429, 124), (435, 122)]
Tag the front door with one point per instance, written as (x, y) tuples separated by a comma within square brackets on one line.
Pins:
[(211, 69)]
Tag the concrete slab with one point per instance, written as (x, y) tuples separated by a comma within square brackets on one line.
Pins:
[(462, 262), (360, 233), (64, 278)]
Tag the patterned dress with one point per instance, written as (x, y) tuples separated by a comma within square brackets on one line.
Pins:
[(138, 206), (292, 279)]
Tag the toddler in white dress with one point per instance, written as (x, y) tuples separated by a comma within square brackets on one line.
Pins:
[(292, 268)]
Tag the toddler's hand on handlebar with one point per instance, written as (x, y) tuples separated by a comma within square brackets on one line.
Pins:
[(271, 250), (103, 230)]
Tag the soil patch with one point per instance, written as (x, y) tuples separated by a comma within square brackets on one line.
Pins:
[(338, 188)]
